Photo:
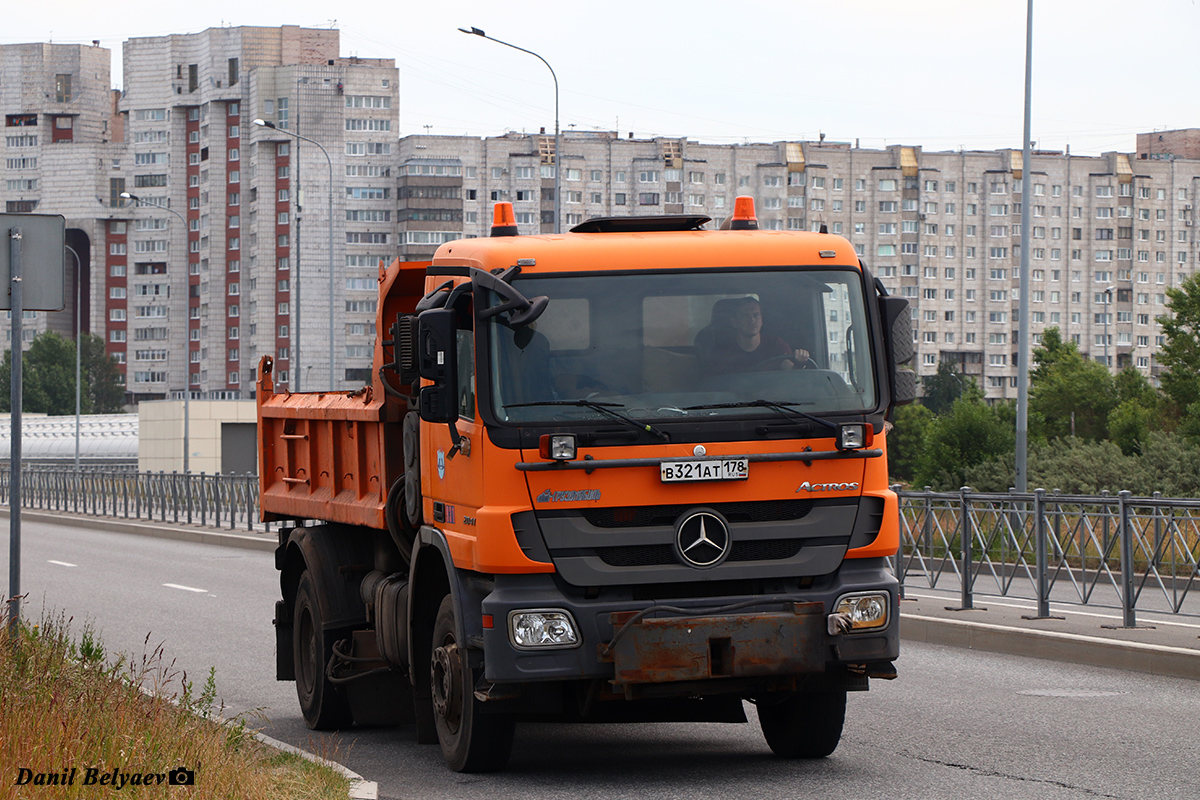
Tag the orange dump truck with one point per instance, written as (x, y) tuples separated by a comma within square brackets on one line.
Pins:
[(636, 472)]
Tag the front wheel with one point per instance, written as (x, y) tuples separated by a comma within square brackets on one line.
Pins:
[(471, 740), (803, 725)]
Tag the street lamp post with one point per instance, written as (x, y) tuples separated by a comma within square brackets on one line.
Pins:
[(1108, 294), (265, 124), (78, 347), (1022, 438), (557, 133), (187, 342)]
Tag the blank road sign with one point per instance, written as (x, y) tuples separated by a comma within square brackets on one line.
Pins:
[(43, 261)]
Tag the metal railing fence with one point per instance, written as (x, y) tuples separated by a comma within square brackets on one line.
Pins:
[(215, 501), (1105, 550)]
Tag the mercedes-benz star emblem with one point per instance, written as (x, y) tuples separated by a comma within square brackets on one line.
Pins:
[(702, 539)]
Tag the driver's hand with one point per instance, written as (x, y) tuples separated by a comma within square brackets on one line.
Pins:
[(801, 355)]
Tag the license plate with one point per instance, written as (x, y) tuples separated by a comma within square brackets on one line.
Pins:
[(717, 469)]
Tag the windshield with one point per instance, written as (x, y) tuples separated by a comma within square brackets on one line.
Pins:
[(660, 345)]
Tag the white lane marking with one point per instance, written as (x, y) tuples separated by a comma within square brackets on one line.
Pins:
[(61, 563), (185, 588)]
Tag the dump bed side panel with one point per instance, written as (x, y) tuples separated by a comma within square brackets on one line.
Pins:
[(334, 455), (322, 456)]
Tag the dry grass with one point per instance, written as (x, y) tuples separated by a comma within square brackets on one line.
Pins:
[(64, 705)]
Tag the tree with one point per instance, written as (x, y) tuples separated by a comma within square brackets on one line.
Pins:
[(1069, 394), (48, 377), (1180, 352), (941, 389), (101, 377), (50, 371), (1129, 425), (969, 435), (1132, 385), (906, 439)]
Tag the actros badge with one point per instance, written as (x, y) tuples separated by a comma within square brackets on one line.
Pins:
[(826, 487), (702, 539)]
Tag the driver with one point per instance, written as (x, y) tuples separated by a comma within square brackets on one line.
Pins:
[(748, 349)]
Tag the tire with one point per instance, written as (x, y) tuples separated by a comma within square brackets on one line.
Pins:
[(803, 724), (324, 705), (471, 740)]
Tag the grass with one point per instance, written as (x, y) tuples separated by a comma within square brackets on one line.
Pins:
[(64, 704)]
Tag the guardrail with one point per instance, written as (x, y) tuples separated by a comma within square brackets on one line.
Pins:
[(216, 501), (1108, 550)]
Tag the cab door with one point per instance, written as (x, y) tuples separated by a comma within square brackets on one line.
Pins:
[(452, 475)]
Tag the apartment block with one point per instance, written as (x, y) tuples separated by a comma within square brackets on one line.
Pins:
[(205, 240), (273, 215), (61, 141), (1109, 234)]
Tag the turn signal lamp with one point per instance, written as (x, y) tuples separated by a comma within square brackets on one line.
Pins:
[(743, 215), (504, 220)]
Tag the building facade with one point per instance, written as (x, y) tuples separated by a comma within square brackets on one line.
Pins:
[(222, 252), (1110, 234), (198, 231), (61, 139)]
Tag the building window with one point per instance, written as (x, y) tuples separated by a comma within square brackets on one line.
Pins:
[(62, 88)]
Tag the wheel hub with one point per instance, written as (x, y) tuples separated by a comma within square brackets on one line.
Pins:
[(446, 678)]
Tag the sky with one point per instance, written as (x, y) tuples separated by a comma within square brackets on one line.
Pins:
[(938, 74)]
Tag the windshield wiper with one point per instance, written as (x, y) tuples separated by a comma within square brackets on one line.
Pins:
[(784, 409), (602, 408)]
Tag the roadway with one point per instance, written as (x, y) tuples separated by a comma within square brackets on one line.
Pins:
[(959, 723)]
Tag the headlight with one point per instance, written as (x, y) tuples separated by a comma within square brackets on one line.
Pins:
[(558, 446), (542, 628), (866, 611), (854, 436)]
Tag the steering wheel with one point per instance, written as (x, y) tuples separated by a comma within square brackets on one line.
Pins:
[(776, 362)]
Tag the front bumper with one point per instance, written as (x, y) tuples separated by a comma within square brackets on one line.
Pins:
[(693, 639)]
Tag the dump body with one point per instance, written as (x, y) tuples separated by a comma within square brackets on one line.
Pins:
[(333, 455), (609, 472)]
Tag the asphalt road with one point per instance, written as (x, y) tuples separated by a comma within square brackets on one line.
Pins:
[(958, 724)]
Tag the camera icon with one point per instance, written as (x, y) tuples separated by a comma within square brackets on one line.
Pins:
[(181, 776)]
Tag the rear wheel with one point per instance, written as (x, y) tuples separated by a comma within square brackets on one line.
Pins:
[(803, 725), (471, 740), (324, 705)]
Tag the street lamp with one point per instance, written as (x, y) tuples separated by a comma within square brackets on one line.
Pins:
[(1108, 292), (78, 347), (187, 342), (557, 134), (262, 123)]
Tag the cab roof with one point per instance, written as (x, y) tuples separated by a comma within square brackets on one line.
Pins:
[(582, 251)]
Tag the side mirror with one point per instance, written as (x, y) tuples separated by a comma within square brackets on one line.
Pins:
[(897, 327), (437, 361)]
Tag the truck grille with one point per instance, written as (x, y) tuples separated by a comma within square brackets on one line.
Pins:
[(649, 555), (644, 516)]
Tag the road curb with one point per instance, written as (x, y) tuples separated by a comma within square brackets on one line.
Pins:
[(180, 532), (1176, 662), (360, 787)]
